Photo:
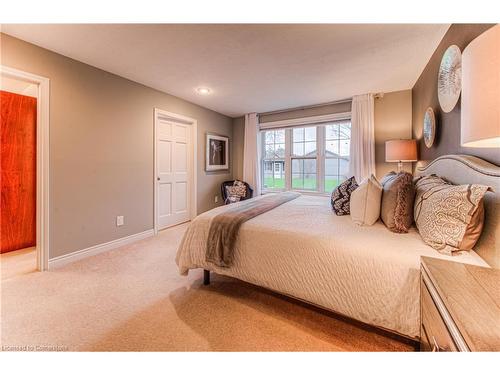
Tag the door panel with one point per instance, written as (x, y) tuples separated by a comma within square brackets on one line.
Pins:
[(181, 154), (181, 197), (173, 172), (180, 132), (164, 129), (165, 153), (18, 171), (166, 191)]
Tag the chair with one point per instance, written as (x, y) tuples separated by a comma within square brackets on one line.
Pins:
[(230, 183)]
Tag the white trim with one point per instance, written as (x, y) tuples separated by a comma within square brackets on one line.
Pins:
[(321, 158), (159, 113), (97, 249), (42, 161), (288, 157), (305, 120)]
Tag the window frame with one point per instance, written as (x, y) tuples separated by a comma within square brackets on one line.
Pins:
[(318, 128), (325, 158), (320, 154), (272, 161)]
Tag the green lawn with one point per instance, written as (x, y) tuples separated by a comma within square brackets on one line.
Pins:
[(309, 183), (279, 183), (304, 184), (330, 184)]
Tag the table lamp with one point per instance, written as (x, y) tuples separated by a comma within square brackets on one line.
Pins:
[(480, 115), (401, 150)]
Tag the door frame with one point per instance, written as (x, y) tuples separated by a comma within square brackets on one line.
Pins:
[(42, 160), (166, 115)]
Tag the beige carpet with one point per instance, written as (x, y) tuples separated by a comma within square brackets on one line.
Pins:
[(16, 263), (133, 298)]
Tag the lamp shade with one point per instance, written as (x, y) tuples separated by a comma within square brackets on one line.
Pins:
[(401, 150), (480, 115)]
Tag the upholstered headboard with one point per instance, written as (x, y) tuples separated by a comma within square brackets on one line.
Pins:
[(465, 169)]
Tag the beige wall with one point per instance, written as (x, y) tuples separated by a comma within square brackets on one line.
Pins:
[(393, 118), (101, 148)]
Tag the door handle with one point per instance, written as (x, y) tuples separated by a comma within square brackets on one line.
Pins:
[(157, 178)]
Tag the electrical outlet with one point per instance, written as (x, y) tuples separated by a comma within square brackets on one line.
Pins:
[(119, 221), (216, 199)]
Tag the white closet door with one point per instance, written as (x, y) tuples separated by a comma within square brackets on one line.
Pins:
[(174, 148)]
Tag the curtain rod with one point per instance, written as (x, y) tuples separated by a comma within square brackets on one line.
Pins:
[(377, 95)]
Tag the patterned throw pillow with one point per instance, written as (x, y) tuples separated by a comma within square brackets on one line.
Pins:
[(232, 199), (449, 217), (238, 189), (341, 197), (241, 184)]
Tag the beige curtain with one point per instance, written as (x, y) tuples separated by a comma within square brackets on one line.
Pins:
[(251, 153), (362, 153)]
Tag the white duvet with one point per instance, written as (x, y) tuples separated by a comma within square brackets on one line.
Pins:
[(304, 250)]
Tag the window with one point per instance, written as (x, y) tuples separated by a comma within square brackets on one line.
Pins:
[(274, 159), (304, 155), (309, 158), (337, 144)]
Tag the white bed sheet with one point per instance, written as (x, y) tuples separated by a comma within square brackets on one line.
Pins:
[(304, 250)]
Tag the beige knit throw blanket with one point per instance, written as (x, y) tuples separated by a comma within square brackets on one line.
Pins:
[(224, 227)]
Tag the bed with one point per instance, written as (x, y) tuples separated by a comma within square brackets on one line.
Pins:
[(301, 249)]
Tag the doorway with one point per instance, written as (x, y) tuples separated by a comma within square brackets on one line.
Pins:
[(18, 161), (25, 169), (174, 169)]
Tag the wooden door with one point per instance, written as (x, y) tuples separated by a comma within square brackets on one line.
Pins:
[(18, 171), (174, 149)]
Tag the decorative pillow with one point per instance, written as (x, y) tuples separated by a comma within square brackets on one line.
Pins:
[(398, 195), (238, 189), (449, 217), (365, 202), (341, 196), (232, 199)]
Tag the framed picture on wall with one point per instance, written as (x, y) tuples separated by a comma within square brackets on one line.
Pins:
[(217, 153)]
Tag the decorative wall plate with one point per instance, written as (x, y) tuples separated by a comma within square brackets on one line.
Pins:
[(429, 127), (450, 78)]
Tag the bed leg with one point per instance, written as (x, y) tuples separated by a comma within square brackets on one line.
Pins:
[(206, 277)]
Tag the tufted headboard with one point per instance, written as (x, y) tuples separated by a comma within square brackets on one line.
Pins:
[(465, 169)]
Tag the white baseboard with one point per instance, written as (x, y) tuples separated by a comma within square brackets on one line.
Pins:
[(93, 250)]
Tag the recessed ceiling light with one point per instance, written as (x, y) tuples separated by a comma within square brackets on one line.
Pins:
[(203, 90)]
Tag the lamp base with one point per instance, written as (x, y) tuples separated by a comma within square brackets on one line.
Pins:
[(400, 166)]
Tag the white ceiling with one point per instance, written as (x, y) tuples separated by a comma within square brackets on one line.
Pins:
[(249, 68)]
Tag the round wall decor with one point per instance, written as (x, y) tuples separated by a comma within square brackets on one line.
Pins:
[(450, 78), (429, 127)]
